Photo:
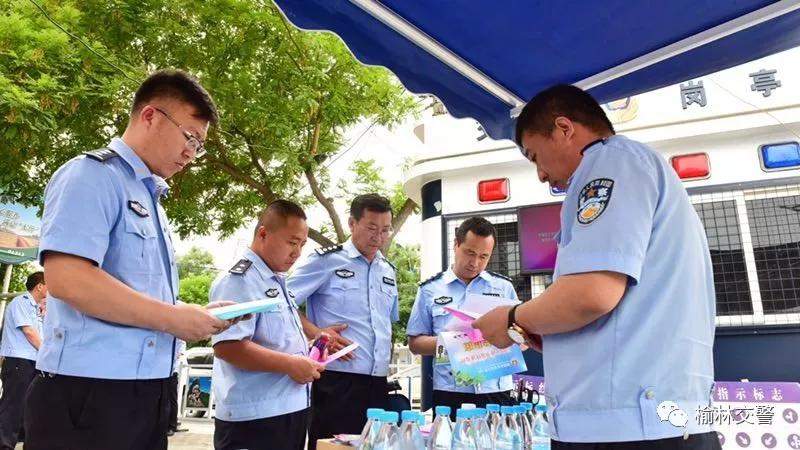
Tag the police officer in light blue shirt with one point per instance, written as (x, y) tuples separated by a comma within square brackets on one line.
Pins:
[(22, 337), (262, 372), (112, 321), (350, 292), (628, 323), (474, 242)]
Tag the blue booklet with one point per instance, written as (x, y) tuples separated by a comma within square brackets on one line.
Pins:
[(240, 309)]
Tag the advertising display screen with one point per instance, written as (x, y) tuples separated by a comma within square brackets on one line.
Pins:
[(538, 227)]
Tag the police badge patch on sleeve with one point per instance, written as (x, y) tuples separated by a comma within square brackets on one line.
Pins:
[(593, 199)]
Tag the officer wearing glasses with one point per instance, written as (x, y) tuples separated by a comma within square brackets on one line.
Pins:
[(112, 321), (350, 292)]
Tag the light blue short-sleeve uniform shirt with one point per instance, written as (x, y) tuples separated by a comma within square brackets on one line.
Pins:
[(22, 311), (339, 286), (428, 318), (243, 395), (626, 211), (105, 207)]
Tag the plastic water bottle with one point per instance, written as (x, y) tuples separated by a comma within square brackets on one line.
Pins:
[(463, 435), (506, 436), (442, 430), (388, 437), (529, 412), (410, 436), (371, 429), (494, 416), (483, 435), (541, 429), (525, 426)]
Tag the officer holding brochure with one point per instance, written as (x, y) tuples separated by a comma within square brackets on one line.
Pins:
[(474, 242), (262, 372)]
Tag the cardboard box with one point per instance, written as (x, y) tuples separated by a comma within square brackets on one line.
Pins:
[(328, 444)]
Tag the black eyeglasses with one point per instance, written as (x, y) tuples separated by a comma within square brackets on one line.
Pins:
[(193, 143)]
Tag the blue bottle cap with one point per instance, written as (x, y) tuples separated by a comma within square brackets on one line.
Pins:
[(464, 413), (506, 409), (527, 406), (493, 407), (442, 410), (480, 412), (390, 416), (541, 408), (374, 413), (408, 415)]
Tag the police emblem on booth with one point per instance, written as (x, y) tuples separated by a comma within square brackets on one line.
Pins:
[(443, 300), (594, 199), (344, 273), (272, 293)]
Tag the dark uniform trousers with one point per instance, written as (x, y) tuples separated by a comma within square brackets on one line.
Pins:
[(284, 432), (455, 399), (17, 374), (703, 441), (75, 413), (173, 402), (339, 402)]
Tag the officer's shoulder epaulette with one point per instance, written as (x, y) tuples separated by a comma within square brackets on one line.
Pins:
[(500, 275), (390, 264), (101, 154), (241, 267), (435, 277), (328, 250)]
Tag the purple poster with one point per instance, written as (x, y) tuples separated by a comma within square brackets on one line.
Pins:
[(538, 227)]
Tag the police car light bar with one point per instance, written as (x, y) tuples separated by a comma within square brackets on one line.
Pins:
[(493, 191), (783, 156), (691, 167)]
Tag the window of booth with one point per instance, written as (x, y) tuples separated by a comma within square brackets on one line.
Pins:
[(754, 238)]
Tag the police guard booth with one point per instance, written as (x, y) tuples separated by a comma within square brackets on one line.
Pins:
[(732, 136)]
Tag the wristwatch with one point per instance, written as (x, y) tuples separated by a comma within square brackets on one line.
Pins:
[(515, 332)]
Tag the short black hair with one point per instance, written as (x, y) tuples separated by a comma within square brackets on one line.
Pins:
[(539, 115), (34, 279), (178, 85), (372, 202), (276, 213), (478, 225)]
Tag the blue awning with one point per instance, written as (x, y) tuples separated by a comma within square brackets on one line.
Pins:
[(485, 58)]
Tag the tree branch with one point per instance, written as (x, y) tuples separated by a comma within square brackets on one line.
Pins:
[(252, 152), (319, 238), (326, 203), (399, 220), (235, 172)]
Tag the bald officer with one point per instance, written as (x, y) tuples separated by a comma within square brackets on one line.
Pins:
[(628, 323), (262, 372), (112, 319)]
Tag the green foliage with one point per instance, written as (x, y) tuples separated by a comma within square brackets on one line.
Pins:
[(19, 274), (406, 259), (286, 97), (194, 289), (195, 262)]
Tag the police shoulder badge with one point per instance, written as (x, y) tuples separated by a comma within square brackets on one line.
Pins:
[(594, 199)]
